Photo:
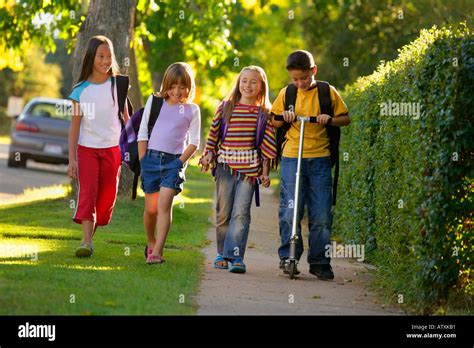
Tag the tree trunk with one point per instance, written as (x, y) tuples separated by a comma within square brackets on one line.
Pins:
[(126, 175), (134, 93), (114, 19)]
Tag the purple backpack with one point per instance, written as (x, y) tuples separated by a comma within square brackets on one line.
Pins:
[(128, 139)]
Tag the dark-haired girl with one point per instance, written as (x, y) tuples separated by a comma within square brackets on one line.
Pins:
[(94, 155)]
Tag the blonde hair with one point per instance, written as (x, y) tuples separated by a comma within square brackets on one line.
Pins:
[(234, 96), (178, 73)]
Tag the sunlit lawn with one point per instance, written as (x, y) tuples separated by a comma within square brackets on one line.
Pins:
[(116, 279)]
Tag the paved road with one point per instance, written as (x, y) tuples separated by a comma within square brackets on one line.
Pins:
[(14, 181), (264, 290)]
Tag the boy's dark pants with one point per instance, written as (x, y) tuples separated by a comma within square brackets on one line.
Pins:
[(316, 193)]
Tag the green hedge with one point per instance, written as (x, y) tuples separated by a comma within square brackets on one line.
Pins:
[(406, 181)]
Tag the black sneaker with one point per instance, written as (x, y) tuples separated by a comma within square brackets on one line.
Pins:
[(284, 265), (323, 272)]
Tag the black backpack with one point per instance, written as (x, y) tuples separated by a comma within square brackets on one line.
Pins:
[(334, 133)]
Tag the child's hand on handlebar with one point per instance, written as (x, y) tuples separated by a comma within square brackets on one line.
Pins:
[(323, 119), (288, 116)]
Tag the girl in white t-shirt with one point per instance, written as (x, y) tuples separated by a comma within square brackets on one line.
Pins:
[(94, 154)]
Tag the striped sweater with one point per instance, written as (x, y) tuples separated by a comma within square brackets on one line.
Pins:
[(237, 151)]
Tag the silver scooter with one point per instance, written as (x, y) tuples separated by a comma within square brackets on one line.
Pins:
[(290, 266)]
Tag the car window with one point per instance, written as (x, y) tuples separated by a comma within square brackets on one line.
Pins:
[(47, 110)]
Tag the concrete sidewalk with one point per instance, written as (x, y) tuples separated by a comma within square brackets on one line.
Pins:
[(265, 290)]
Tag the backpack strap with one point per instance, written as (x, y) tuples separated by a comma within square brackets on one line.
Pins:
[(260, 134), (222, 134), (156, 104), (223, 127), (135, 185), (122, 91), (290, 102), (290, 97), (324, 95), (261, 127), (334, 133), (129, 107)]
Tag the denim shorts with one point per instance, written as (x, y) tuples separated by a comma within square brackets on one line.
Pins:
[(161, 169)]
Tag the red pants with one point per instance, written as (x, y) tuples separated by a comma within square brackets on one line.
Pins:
[(98, 177)]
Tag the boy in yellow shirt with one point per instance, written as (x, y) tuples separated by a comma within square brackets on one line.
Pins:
[(316, 176)]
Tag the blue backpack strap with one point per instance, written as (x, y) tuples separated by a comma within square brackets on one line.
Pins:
[(261, 127), (223, 127), (260, 134), (257, 194)]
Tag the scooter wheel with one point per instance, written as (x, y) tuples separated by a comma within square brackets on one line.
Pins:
[(292, 269)]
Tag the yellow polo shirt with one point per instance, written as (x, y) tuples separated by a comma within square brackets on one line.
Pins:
[(316, 141)]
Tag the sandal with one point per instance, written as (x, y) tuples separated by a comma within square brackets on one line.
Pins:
[(154, 259), (237, 266), (84, 250), (220, 262), (148, 251)]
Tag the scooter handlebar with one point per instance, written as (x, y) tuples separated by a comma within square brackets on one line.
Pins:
[(312, 119)]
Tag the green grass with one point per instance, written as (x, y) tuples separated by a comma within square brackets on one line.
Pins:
[(116, 279)]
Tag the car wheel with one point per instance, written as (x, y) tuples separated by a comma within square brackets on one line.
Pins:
[(13, 163)]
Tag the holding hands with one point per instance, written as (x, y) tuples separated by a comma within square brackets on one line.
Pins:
[(265, 180), (205, 162)]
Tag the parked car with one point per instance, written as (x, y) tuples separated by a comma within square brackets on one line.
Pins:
[(40, 132)]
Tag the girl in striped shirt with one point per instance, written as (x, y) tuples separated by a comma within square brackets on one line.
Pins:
[(240, 149)]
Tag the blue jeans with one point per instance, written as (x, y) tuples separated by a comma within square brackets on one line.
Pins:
[(316, 193), (233, 202), (161, 169)]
